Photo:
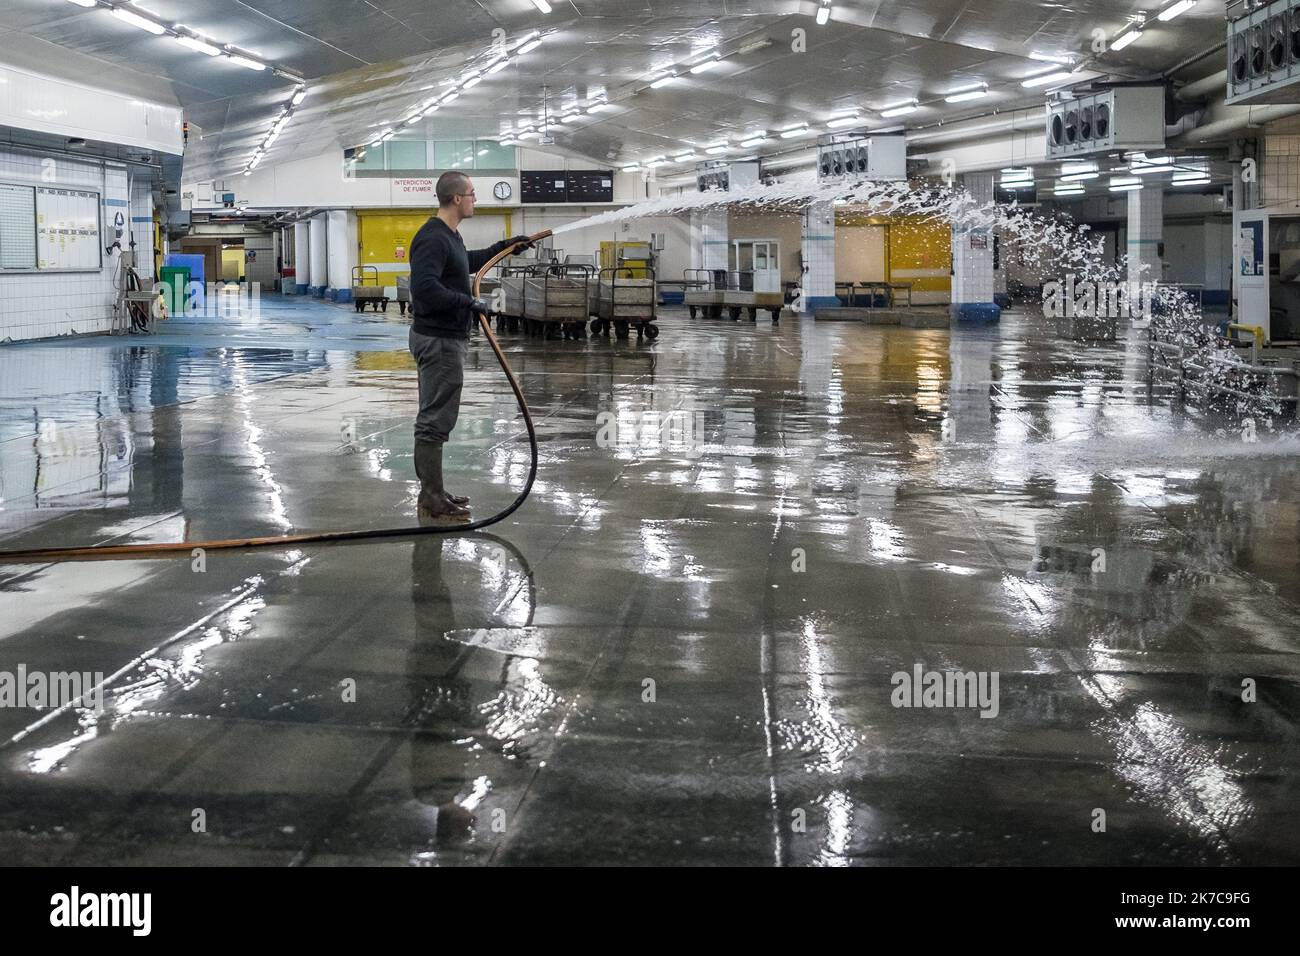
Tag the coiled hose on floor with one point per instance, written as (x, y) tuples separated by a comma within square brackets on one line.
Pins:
[(324, 537)]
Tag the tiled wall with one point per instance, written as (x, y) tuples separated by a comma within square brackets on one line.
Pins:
[(1279, 180), (142, 225), (1146, 212), (34, 306), (972, 249), (709, 238), (817, 245)]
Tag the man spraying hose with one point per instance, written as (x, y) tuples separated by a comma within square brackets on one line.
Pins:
[(443, 308)]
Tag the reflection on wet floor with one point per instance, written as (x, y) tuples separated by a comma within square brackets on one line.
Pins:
[(670, 654)]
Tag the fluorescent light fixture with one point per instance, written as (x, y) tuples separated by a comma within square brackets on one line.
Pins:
[(1125, 38), (482, 152), (1079, 177), (570, 117), (800, 130), (449, 97), (1074, 169), (542, 5), (245, 62), (686, 158), (1049, 57), (299, 96), (1175, 9), (753, 141), (716, 148), (1120, 184), (902, 109), (257, 161), (1046, 79), (630, 167), (528, 38), (472, 81), (842, 121), (706, 65), (386, 137), (1201, 180), (429, 111), (1068, 189), (1145, 166), (414, 119), (663, 80), (823, 14), (143, 23), (530, 46), (194, 43), (961, 96), (510, 142), (376, 142), (498, 66), (598, 105), (85, 3)]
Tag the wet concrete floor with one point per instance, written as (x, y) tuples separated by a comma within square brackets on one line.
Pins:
[(683, 648)]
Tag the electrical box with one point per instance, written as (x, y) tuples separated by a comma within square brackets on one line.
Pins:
[(566, 185), (1119, 118)]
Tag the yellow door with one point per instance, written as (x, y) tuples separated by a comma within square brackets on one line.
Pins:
[(385, 236)]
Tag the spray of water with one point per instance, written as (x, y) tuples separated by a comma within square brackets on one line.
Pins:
[(1050, 246)]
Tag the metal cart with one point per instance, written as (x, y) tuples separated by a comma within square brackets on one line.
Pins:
[(625, 300), (555, 302), (733, 291), (366, 289)]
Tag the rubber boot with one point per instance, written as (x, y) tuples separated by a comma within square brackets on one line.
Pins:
[(433, 502), (461, 500)]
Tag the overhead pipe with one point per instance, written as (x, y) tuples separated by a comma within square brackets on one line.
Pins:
[(1199, 90)]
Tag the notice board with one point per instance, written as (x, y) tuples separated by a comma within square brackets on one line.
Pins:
[(67, 230)]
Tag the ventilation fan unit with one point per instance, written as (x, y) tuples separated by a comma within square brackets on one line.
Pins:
[(1264, 54), (725, 176), (1119, 118), (857, 157)]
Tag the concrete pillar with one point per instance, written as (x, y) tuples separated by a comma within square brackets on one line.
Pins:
[(302, 256), (1146, 235), (972, 258), (342, 254), (319, 279), (817, 246), (709, 238)]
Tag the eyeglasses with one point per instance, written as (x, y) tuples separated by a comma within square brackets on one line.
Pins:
[(470, 194)]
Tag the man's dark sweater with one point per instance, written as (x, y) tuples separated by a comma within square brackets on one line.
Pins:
[(440, 271)]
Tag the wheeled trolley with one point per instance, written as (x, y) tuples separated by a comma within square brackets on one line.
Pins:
[(556, 304), (366, 289), (704, 291), (625, 301), (731, 293)]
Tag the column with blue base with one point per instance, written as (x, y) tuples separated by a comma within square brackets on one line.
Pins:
[(1146, 234), (342, 254), (972, 259), (301, 257), (319, 280), (817, 245)]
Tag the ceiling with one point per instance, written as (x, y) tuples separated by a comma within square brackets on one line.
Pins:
[(368, 62)]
